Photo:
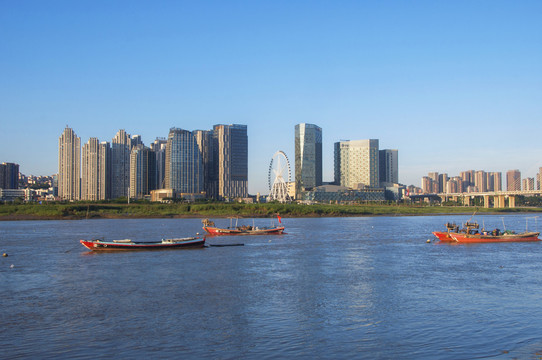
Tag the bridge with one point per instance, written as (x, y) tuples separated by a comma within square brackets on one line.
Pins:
[(499, 199)]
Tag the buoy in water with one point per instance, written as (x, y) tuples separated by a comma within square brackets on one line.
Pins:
[(12, 266), (5, 254), (428, 241)]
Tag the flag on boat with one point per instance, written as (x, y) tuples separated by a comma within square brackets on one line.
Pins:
[(278, 217)]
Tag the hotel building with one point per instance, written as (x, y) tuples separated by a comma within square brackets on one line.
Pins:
[(356, 163)]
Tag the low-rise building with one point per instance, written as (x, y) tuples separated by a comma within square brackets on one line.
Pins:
[(341, 194)]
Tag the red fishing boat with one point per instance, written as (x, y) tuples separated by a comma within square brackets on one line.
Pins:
[(127, 244), (211, 229), (494, 236)]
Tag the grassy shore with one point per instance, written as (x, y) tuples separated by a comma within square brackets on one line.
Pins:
[(55, 211)]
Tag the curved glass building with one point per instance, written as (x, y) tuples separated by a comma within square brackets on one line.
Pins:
[(184, 169)]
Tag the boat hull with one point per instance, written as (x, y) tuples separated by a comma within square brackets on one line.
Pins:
[(98, 245), (443, 235), (478, 238), (219, 231)]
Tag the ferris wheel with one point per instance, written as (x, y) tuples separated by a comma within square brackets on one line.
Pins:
[(279, 168)]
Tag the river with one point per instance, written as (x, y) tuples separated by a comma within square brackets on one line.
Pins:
[(331, 288)]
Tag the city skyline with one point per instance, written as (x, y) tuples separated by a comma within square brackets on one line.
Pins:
[(452, 86)]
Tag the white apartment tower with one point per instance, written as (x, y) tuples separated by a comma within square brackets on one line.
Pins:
[(69, 165)]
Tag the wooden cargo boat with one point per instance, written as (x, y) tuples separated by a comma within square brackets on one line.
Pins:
[(495, 236), (127, 244), (211, 229)]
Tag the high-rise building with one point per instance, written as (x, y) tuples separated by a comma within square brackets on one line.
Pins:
[(90, 174), (121, 146), (204, 139), (497, 181), (427, 185), (308, 157), (137, 140), (389, 166), (480, 181), (356, 163), (159, 149), (142, 171), (490, 179), (183, 170), (539, 179), (442, 181), (104, 171), (9, 176), (454, 185), (96, 170), (513, 180), (69, 165), (230, 161), (468, 178)]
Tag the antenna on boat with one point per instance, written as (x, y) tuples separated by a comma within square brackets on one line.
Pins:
[(535, 221), (503, 226), (474, 213)]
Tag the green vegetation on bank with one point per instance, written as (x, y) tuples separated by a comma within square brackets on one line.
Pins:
[(83, 210)]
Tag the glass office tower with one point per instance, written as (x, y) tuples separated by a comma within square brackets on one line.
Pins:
[(308, 157)]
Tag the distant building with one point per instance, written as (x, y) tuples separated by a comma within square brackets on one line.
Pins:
[(442, 180), (528, 184), (9, 176), (454, 185), (136, 140), (184, 170), (121, 147), (230, 161), (308, 157), (468, 179), (480, 180), (69, 165), (14, 194), (356, 163), (389, 166), (342, 194), (513, 180), (429, 186)]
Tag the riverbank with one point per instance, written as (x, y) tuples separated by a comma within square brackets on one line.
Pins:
[(77, 211)]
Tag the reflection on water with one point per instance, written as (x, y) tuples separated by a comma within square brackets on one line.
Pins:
[(330, 288)]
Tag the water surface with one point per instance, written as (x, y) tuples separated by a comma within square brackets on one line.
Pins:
[(366, 287)]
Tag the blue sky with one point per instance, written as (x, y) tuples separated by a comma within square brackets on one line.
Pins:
[(453, 85)]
